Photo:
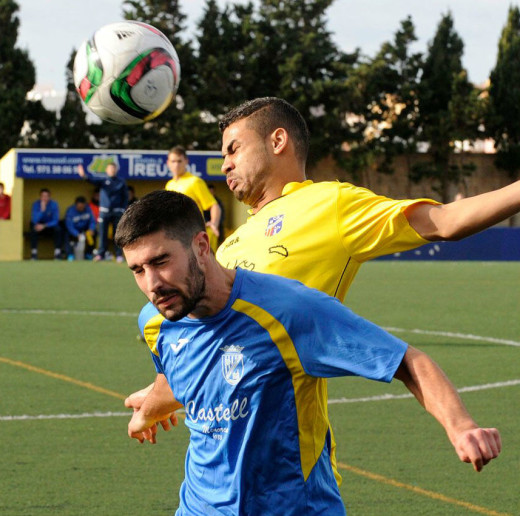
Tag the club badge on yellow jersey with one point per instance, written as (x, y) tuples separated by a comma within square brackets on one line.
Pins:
[(274, 225)]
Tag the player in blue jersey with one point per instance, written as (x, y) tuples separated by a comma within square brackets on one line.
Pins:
[(247, 355)]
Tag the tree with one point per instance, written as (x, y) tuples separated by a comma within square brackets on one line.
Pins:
[(386, 102), (292, 55), (17, 77), (444, 88), (222, 66), (72, 130), (503, 118), (39, 129)]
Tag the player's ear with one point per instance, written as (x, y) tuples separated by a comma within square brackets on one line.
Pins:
[(279, 140), (200, 244)]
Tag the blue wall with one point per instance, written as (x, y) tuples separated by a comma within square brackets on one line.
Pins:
[(490, 245)]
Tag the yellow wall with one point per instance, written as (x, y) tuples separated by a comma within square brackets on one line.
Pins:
[(11, 245)]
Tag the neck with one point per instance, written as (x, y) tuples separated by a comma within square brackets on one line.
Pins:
[(178, 175), (219, 283), (275, 190)]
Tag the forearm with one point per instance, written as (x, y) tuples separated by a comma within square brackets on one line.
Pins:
[(215, 213), (428, 383), (465, 217), (159, 402)]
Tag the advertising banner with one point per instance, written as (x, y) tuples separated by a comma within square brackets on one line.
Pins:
[(133, 165)]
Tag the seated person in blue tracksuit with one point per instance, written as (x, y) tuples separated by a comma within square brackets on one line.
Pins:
[(80, 225), (45, 218)]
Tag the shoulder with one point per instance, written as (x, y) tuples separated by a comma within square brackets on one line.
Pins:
[(283, 295), (148, 312), (317, 193), (195, 180)]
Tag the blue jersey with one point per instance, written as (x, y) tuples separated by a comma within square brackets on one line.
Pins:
[(252, 381), (50, 217), (113, 192), (78, 222)]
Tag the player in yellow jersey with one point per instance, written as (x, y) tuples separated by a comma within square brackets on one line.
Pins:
[(184, 182), (320, 233)]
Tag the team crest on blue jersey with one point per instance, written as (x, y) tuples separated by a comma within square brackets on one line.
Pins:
[(274, 225), (232, 364)]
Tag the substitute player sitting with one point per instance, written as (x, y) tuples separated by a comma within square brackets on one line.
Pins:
[(247, 355)]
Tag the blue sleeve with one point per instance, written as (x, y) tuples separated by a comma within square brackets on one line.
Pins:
[(157, 363), (36, 213), (331, 340), (97, 181), (55, 214), (147, 312), (69, 224)]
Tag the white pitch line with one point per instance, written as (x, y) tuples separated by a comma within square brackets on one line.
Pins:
[(465, 336), (64, 416), (385, 397), (67, 312)]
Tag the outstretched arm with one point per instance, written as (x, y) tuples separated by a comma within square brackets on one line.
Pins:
[(464, 217), (428, 383), (153, 404)]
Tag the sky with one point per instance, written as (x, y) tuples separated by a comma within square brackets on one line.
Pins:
[(50, 29)]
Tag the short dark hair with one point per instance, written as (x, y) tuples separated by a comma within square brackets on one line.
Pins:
[(45, 190), (267, 114), (162, 210), (80, 199), (178, 149)]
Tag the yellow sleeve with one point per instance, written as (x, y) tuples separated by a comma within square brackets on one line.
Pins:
[(372, 225)]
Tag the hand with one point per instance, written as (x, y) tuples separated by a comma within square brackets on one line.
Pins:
[(142, 428), (135, 400), (39, 227), (478, 446), (213, 228), (81, 170)]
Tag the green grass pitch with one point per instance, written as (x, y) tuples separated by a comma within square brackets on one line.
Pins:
[(68, 351)]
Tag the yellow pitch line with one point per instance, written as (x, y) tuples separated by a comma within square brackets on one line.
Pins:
[(419, 490), (63, 377)]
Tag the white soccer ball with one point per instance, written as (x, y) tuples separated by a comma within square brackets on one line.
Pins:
[(127, 73)]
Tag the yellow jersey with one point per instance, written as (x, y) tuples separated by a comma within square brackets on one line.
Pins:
[(193, 187), (320, 234)]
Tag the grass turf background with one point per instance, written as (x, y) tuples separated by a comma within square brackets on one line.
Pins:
[(78, 320)]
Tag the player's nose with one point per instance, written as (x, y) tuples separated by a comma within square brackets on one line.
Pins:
[(153, 281), (227, 165)]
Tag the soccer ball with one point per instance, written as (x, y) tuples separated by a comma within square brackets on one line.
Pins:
[(127, 73)]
